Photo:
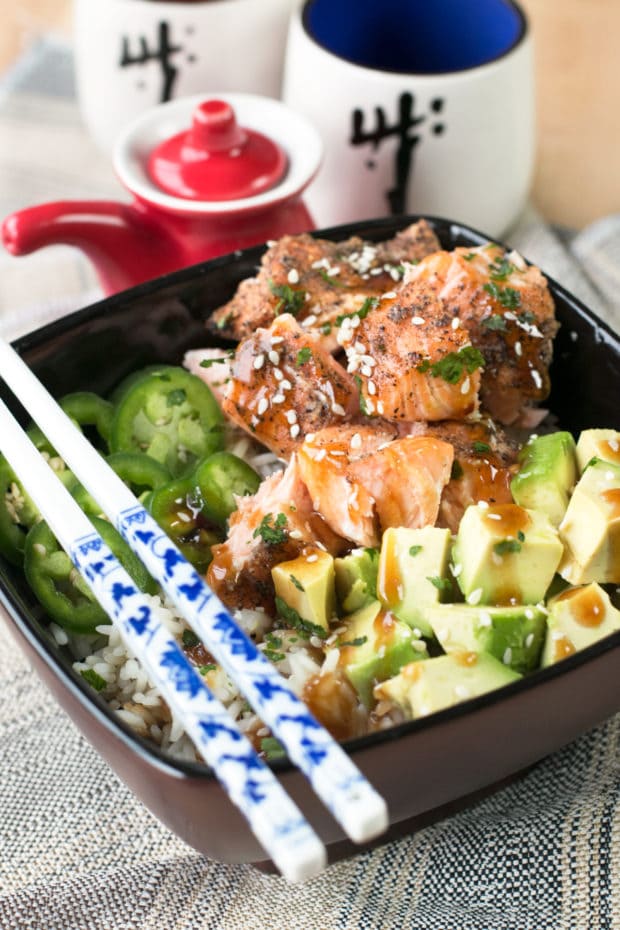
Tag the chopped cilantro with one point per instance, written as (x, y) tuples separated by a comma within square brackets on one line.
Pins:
[(507, 545), (272, 640), (453, 365), (495, 322), (272, 531), (363, 407), (176, 398), (501, 269), (94, 679), (326, 329), (333, 281), (208, 362), (526, 316), (190, 639), (304, 355), (297, 583), (521, 536), (415, 550), (507, 296), (224, 321), (296, 621), (480, 447), (369, 304), (205, 669), (444, 585), (273, 655), (470, 256), (358, 641), (456, 471), (272, 748), (289, 301)]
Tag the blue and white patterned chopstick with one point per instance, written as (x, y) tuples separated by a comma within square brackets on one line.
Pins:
[(251, 785), (354, 803)]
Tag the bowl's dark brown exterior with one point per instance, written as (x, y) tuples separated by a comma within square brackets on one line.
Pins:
[(422, 768)]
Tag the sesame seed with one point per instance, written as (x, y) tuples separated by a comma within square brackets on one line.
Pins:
[(338, 409), (573, 335), (293, 276), (285, 385), (277, 374), (455, 323), (291, 416), (309, 320), (278, 398), (475, 597), (461, 692), (494, 516), (263, 404), (418, 320), (312, 558), (465, 386), (366, 371), (294, 431), (456, 569), (310, 437), (276, 340), (273, 357), (484, 505), (529, 613), (372, 388), (536, 378), (259, 361), (518, 349), (356, 441), (507, 657), (295, 534), (388, 295), (370, 407), (485, 619), (529, 639), (380, 407)]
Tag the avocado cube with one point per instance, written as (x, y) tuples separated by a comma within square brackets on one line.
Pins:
[(577, 618), (598, 444), (426, 687), (306, 586), (356, 579), (373, 646), (547, 474), (505, 554), (413, 568), (590, 529), (514, 635)]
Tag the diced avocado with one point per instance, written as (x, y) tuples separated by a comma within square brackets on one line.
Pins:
[(374, 646), (577, 618), (547, 474), (514, 635), (590, 529), (600, 444), (306, 584), (356, 579), (413, 568), (426, 687), (505, 554)]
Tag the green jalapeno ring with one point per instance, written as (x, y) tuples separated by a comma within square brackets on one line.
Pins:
[(177, 508), (221, 478), (170, 415)]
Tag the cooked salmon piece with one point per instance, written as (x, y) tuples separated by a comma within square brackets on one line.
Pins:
[(318, 281), (285, 384), (485, 460), (274, 525), (325, 460), (506, 309), (409, 361), (363, 480)]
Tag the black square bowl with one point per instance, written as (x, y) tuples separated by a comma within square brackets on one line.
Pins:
[(425, 768)]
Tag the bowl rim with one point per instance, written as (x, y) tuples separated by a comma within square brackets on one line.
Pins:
[(41, 640)]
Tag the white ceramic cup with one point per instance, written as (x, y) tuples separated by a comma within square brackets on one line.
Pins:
[(424, 106), (133, 54)]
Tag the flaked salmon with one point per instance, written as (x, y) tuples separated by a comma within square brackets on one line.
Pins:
[(363, 480), (318, 281), (506, 309), (285, 384), (272, 526)]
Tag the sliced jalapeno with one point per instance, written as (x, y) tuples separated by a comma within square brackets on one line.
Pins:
[(177, 507), (57, 584), (18, 511), (139, 471), (221, 478), (170, 415), (88, 409)]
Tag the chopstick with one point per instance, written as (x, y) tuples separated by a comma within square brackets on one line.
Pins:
[(353, 802), (274, 818)]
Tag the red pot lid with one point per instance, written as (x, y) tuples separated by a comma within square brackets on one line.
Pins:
[(216, 159)]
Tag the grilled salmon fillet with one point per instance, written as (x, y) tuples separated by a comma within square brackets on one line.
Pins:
[(285, 384), (363, 480), (506, 309), (318, 281), (409, 361)]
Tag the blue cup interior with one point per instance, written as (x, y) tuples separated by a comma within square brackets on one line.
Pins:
[(415, 36)]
